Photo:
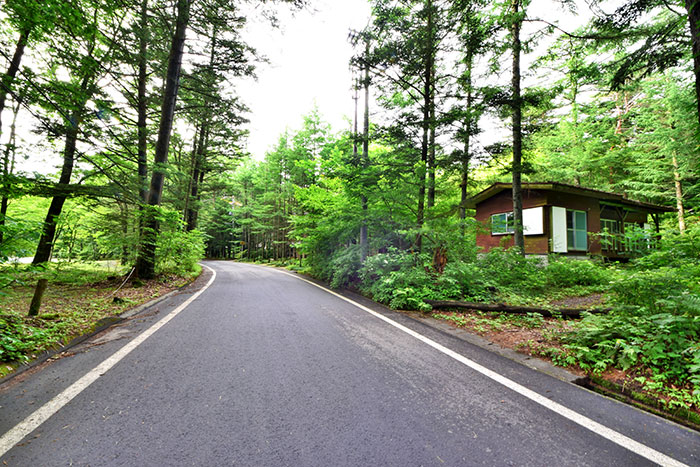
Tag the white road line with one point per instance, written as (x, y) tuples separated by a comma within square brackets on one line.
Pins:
[(607, 433), (33, 421)]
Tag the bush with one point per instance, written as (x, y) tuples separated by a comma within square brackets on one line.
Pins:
[(664, 340), (15, 339), (179, 252), (344, 265), (646, 287), (508, 269), (564, 272), (399, 279), (467, 280)]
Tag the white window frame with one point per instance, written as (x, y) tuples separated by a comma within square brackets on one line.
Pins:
[(508, 223)]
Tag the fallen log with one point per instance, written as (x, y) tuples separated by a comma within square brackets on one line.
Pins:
[(502, 307)]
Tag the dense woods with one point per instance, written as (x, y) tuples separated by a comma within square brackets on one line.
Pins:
[(139, 99)]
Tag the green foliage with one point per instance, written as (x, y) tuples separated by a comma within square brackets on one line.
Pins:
[(18, 338), (654, 331), (663, 344), (177, 251), (508, 269), (563, 272), (396, 279), (344, 265)]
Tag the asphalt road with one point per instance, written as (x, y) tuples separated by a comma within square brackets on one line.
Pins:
[(264, 369)]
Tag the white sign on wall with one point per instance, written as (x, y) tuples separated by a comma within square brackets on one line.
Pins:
[(533, 221)]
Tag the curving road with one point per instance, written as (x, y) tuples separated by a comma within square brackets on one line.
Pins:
[(262, 368)]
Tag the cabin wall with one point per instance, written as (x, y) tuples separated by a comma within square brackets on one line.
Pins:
[(503, 202), (581, 203), (541, 244)]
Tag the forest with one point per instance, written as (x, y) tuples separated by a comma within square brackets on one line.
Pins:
[(139, 99)]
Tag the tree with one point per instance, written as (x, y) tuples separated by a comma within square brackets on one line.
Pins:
[(664, 144), (405, 62), (472, 37), (145, 265), (652, 35), (516, 20), (70, 98)]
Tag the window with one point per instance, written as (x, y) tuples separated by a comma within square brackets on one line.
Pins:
[(576, 234), (610, 234), (502, 223)]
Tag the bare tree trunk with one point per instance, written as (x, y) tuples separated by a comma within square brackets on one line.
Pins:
[(679, 194), (124, 208), (145, 265), (48, 233), (12, 70), (466, 156), (142, 105), (427, 90), (35, 306), (431, 152), (193, 159), (517, 133), (364, 240), (8, 168)]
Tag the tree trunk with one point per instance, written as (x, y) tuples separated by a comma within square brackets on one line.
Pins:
[(145, 265), (35, 306), (364, 238), (124, 208), (188, 190), (517, 133), (142, 105), (11, 72), (427, 89), (679, 195), (48, 233), (8, 168), (197, 172), (466, 156), (431, 152), (693, 8)]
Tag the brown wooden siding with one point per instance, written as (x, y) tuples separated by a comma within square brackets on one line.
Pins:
[(540, 244), (503, 202)]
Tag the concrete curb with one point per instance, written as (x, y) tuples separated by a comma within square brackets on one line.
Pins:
[(103, 324)]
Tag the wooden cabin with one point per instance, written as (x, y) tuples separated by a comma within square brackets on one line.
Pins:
[(565, 219)]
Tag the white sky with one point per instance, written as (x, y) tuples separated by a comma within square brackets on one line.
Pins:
[(309, 65)]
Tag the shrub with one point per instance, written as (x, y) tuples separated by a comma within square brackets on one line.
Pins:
[(399, 279), (564, 272), (645, 288), (344, 265), (664, 340), (507, 268), (467, 280)]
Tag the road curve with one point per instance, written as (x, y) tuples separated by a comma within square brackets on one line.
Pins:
[(264, 369)]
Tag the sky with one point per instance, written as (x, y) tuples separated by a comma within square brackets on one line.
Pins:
[(309, 65)]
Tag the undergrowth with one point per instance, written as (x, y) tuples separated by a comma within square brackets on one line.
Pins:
[(78, 297)]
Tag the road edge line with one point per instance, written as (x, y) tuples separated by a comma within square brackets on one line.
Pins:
[(16, 434), (581, 420)]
